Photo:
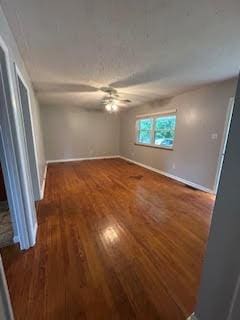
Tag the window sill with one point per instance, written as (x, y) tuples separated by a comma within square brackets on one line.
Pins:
[(153, 146)]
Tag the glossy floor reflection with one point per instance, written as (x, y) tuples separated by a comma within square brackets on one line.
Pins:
[(111, 246)]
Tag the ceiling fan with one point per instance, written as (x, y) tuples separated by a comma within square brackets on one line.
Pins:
[(112, 100)]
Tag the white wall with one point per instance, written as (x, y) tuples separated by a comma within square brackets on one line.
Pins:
[(72, 133), (200, 113), (6, 35)]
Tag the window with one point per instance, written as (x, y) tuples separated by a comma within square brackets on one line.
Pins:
[(157, 130), (145, 130), (164, 131)]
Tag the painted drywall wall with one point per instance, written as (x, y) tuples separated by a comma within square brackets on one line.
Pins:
[(219, 292), (71, 133), (200, 113), (14, 55)]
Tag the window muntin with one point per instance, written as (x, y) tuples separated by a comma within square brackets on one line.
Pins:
[(157, 131)]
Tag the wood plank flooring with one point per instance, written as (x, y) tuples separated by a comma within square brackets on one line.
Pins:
[(115, 241)]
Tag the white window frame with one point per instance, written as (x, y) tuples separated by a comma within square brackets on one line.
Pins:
[(154, 116), (137, 130)]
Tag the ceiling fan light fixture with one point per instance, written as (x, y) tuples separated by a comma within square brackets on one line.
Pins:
[(108, 107), (111, 107), (114, 107)]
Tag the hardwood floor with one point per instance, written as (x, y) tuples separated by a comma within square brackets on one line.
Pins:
[(115, 241)]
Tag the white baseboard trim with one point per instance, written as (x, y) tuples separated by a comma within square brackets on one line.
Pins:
[(44, 182), (34, 234), (192, 317), (82, 159), (189, 183)]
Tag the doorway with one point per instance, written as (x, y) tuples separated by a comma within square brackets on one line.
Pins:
[(6, 229), (14, 160), (26, 116)]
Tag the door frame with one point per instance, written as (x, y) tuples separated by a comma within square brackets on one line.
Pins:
[(227, 124), (27, 118), (16, 173)]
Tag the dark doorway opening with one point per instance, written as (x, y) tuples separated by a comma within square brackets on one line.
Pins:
[(6, 230)]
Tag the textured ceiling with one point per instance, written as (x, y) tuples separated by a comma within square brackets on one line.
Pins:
[(146, 49)]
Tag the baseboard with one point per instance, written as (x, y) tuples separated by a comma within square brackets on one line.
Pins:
[(82, 159), (44, 182), (192, 317), (34, 235), (189, 183)]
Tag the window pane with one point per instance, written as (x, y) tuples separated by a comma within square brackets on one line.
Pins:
[(168, 122), (164, 142), (165, 131), (145, 124), (144, 136)]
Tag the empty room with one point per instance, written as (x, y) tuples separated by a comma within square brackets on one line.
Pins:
[(119, 159)]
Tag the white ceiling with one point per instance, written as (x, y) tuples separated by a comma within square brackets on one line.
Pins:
[(147, 49)]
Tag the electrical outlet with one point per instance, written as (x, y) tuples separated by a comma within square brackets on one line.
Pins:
[(214, 136), (174, 166)]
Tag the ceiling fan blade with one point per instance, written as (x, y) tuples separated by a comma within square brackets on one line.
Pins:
[(48, 87), (124, 100), (132, 94), (109, 90), (151, 74)]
